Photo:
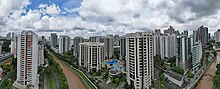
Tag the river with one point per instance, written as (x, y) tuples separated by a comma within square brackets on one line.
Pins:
[(206, 81), (72, 79)]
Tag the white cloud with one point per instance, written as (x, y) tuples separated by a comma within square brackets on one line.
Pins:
[(8, 6), (101, 17)]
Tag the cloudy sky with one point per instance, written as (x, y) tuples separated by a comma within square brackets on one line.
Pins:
[(100, 17)]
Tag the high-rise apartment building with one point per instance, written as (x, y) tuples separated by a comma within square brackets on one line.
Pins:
[(95, 39), (182, 52), (91, 55), (164, 45), (53, 40), (13, 46), (109, 46), (27, 60), (41, 60), (170, 31), (77, 40), (122, 44), (196, 55), (139, 59), (202, 35), (217, 36), (64, 44)]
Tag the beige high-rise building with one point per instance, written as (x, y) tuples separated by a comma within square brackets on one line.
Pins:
[(109, 46), (139, 59), (91, 55), (27, 60)]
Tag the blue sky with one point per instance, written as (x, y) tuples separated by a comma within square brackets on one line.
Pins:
[(69, 4)]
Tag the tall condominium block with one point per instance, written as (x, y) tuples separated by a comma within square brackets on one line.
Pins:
[(196, 55), (109, 46), (91, 55), (139, 59), (27, 60), (169, 31), (41, 60), (116, 40), (202, 35), (95, 39), (53, 40), (182, 52), (13, 46), (122, 44), (164, 45), (64, 44), (77, 40), (217, 36)]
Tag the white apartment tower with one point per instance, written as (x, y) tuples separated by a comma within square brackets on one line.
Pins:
[(196, 55), (77, 40), (182, 52), (217, 36), (53, 39), (139, 59), (164, 45), (109, 46), (64, 44), (27, 60), (13, 46), (41, 60), (91, 55)]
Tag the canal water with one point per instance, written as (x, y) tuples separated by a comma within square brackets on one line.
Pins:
[(206, 82)]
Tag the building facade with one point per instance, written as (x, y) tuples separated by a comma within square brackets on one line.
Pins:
[(182, 52), (217, 36), (27, 60), (53, 39), (109, 46), (91, 55), (196, 55), (122, 44), (41, 59), (139, 59), (77, 40), (64, 44)]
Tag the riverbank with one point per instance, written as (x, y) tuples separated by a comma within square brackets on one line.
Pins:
[(206, 82), (73, 80)]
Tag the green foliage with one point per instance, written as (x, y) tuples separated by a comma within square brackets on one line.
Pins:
[(67, 58), (158, 61), (105, 74), (177, 69), (214, 53), (160, 82), (78, 73), (54, 67), (5, 46), (216, 80), (7, 82), (190, 74), (118, 78)]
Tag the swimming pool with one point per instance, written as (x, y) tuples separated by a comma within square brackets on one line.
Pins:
[(111, 62), (115, 67)]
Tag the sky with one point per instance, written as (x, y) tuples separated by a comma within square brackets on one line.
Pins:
[(101, 17)]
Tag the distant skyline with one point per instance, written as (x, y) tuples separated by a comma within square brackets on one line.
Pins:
[(94, 17)]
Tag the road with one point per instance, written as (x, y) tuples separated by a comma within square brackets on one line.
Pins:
[(206, 81), (5, 61), (73, 80)]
